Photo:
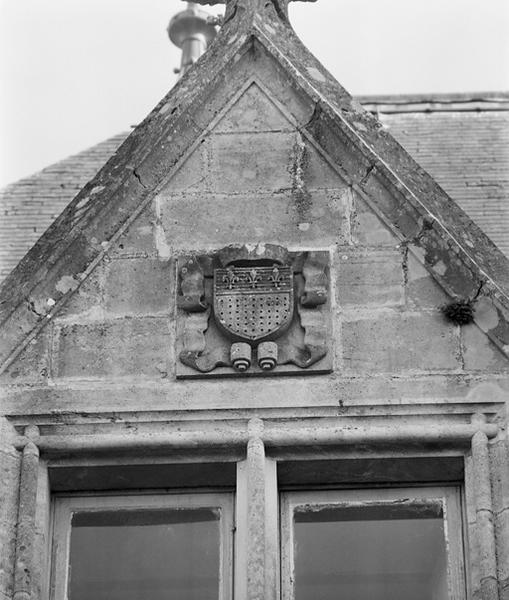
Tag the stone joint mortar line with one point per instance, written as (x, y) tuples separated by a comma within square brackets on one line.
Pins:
[(488, 511), (500, 512)]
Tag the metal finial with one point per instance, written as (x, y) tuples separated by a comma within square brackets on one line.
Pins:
[(192, 30)]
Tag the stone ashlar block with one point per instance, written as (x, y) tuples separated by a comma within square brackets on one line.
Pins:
[(125, 347), (317, 173), (139, 239), (280, 218), (250, 162), (395, 207), (191, 175), (139, 286), (443, 258), (422, 290), (399, 343), (372, 278), (253, 112), (87, 296), (480, 353), (367, 227), (338, 146), (32, 365)]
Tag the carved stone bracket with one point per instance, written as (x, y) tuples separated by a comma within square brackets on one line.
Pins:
[(253, 310)]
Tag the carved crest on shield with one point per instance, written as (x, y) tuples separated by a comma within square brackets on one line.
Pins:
[(250, 310), (253, 304)]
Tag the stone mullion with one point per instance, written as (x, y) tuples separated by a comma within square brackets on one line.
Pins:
[(25, 534), (256, 519), (257, 548), (485, 529)]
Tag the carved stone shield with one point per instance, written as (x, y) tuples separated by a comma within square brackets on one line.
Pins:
[(253, 303)]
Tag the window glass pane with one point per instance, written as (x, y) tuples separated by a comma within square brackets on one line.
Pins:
[(387, 551), (171, 554)]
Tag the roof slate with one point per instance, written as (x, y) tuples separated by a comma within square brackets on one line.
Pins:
[(30, 205), (461, 140), (467, 153)]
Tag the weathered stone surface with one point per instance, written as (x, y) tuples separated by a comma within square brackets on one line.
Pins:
[(191, 175), (280, 314), (399, 212), (120, 348), (499, 455), (88, 297), (337, 142), (139, 286), (42, 532), (442, 259), (370, 278), (250, 162), (472, 550), (317, 173), (253, 112), (24, 572), (395, 343), (367, 228), (226, 170), (32, 365), (360, 149), (9, 483), (486, 315), (504, 590), (422, 291), (374, 394), (479, 353), (139, 238), (320, 222), (493, 320)]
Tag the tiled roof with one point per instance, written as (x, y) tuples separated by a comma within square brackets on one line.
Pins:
[(30, 205), (462, 141)]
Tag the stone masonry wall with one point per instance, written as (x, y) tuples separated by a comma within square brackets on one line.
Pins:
[(255, 178), (105, 365)]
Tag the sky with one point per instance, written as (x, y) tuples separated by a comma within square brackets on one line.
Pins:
[(74, 72)]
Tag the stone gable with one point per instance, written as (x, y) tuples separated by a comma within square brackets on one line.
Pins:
[(259, 164), (253, 177)]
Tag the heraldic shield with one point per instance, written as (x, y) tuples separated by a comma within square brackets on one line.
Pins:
[(253, 303), (252, 310)]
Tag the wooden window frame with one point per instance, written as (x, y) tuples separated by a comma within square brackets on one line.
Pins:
[(448, 496), (257, 491), (65, 506)]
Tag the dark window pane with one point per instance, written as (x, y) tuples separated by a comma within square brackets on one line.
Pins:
[(378, 552), (135, 555)]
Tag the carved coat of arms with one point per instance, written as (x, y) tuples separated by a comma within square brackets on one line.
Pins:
[(253, 303), (253, 311)]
